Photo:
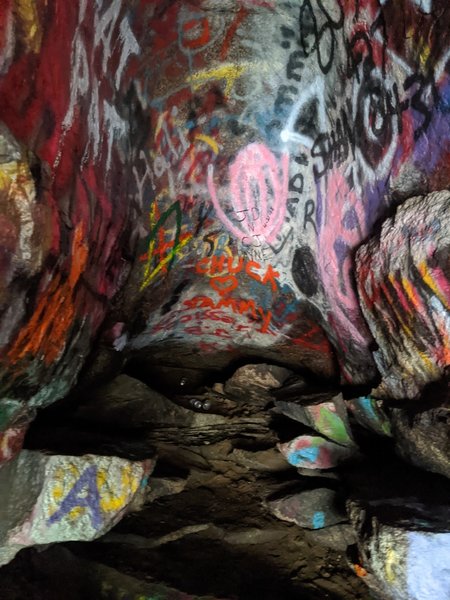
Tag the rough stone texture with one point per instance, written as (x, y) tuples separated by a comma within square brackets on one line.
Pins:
[(313, 509), (14, 420), (47, 499), (255, 382), (328, 418), (159, 487), (404, 288), (314, 452), (127, 402), (264, 460), (337, 537), (422, 434)]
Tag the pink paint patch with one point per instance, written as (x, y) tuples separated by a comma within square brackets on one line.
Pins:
[(258, 193), (343, 230), (11, 442)]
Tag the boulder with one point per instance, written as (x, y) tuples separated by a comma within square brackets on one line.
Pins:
[(254, 382), (46, 499), (404, 289)]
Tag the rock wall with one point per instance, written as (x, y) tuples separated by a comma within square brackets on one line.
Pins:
[(195, 182), (236, 155)]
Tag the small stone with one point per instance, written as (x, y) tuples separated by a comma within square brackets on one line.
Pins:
[(262, 460), (11, 442)]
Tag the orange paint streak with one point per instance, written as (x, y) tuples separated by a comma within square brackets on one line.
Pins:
[(412, 294), (360, 571), (46, 331)]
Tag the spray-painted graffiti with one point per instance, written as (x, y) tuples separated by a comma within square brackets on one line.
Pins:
[(258, 193), (65, 205), (88, 492), (150, 138)]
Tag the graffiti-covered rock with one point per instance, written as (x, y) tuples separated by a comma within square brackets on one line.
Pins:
[(404, 287), (48, 499), (68, 212), (327, 418), (313, 509), (315, 452)]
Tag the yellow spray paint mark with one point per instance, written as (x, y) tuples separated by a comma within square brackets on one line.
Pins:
[(178, 244), (227, 72), (391, 559), (27, 12), (427, 277), (150, 275), (208, 140), (410, 293), (63, 481), (77, 512), (114, 500), (430, 366)]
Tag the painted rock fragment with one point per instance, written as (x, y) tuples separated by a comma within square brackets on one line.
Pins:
[(314, 452), (313, 509), (327, 418), (49, 499), (368, 413)]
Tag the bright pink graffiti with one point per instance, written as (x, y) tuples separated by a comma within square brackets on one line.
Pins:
[(343, 231), (258, 193)]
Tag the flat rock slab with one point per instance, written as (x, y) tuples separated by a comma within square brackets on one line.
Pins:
[(313, 509), (46, 499), (314, 452)]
